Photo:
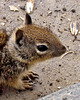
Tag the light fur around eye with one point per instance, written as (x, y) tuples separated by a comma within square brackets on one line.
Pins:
[(41, 48)]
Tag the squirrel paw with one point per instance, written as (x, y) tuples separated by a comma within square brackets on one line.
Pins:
[(24, 84), (31, 76)]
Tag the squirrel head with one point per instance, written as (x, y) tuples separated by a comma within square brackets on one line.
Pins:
[(32, 42)]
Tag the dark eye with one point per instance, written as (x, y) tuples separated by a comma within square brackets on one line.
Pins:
[(42, 48)]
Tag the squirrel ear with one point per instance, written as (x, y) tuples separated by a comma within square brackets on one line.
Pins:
[(18, 36), (28, 19)]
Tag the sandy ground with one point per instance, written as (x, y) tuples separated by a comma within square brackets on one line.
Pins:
[(55, 73)]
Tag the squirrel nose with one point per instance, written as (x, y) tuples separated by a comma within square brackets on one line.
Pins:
[(59, 51)]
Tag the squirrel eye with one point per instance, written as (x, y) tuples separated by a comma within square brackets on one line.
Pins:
[(42, 48)]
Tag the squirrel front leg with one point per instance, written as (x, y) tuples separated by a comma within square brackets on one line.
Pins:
[(19, 83), (22, 81)]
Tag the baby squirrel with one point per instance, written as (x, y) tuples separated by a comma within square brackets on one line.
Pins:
[(26, 46)]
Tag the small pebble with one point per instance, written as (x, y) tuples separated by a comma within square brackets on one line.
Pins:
[(40, 83), (38, 95), (69, 19), (64, 78), (59, 87), (64, 99), (57, 10), (64, 9), (43, 69), (41, 14), (13, 8), (65, 29), (49, 13), (4, 17), (73, 10), (22, 7), (51, 84), (61, 19), (59, 30), (21, 18), (2, 23), (57, 80), (59, 64), (17, 19)]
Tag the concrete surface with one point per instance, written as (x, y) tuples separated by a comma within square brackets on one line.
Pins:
[(56, 73), (69, 93)]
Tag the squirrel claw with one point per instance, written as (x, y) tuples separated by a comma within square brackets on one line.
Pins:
[(31, 76)]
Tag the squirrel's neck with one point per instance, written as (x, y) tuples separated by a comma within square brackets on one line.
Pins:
[(8, 60)]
